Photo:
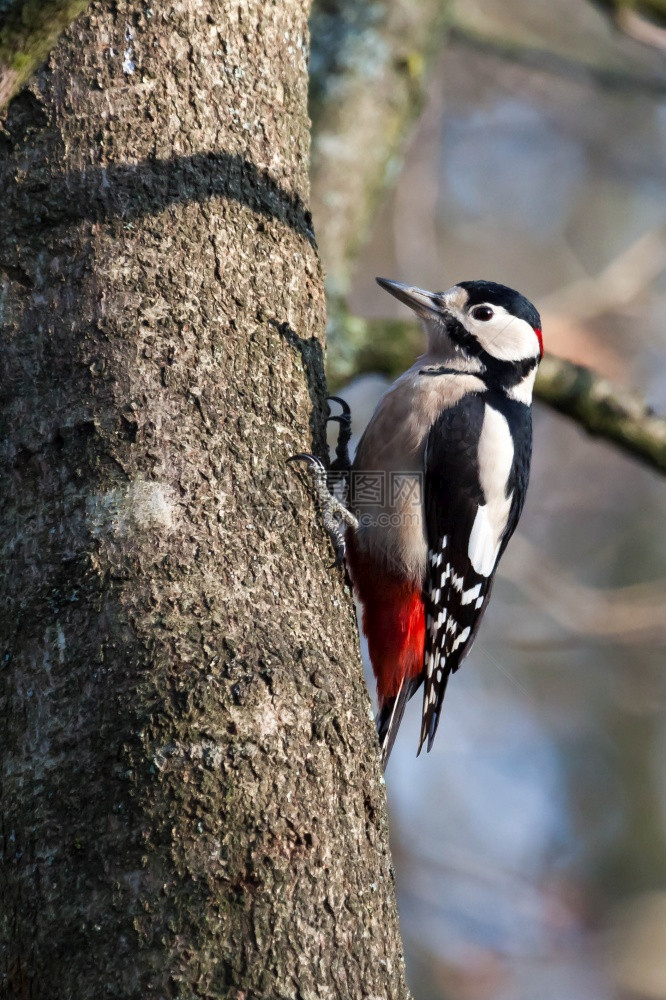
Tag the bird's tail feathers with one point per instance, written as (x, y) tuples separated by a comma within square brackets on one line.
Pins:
[(390, 715)]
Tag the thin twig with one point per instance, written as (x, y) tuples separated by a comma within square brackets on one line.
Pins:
[(546, 61), (632, 24)]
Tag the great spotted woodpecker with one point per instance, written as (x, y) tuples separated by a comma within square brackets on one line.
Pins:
[(436, 489)]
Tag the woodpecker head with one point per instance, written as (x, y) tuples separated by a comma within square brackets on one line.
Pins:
[(480, 319)]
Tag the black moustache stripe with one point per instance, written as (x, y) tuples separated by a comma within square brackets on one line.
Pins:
[(497, 372)]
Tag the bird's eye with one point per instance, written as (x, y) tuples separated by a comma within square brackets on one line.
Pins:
[(483, 313)]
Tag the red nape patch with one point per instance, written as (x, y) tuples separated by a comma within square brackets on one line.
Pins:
[(539, 338), (393, 622)]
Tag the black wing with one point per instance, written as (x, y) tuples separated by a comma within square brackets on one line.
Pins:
[(455, 594)]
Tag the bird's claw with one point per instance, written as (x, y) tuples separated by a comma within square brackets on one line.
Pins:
[(344, 406), (342, 461), (335, 515), (312, 460)]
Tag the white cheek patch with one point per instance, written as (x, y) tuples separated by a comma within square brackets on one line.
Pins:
[(505, 336), (495, 459)]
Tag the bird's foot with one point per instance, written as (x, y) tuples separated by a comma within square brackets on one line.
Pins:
[(331, 485), (335, 515)]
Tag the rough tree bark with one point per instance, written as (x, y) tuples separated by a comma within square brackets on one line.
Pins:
[(191, 803)]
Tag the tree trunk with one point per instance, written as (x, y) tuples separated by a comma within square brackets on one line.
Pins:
[(191, 804)]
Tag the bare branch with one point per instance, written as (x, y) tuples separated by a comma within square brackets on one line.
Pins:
[(557, 64), (613, 288), (604, 409), (28, 31), (642, 20), (632, 24)]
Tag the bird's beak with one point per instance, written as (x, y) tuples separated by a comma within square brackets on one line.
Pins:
[(418, 299)]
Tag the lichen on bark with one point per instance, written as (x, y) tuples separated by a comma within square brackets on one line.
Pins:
[(191, 800)]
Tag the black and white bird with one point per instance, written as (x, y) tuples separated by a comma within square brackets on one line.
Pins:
[(437, 487)]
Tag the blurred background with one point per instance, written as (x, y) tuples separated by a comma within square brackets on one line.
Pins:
[(530, 845)]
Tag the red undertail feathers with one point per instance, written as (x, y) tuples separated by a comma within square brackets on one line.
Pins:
[(394, 625)]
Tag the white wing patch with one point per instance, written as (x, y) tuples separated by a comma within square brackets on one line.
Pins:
[(495, 457), (483, 543)]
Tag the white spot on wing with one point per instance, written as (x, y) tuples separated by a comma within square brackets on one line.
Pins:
[(471, 594), (463, 637)]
